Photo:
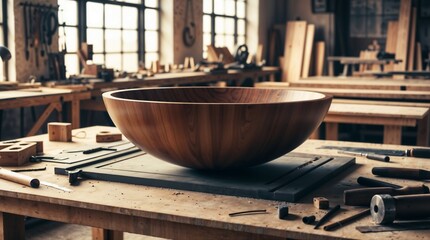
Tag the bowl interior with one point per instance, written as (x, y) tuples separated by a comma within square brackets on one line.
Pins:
[(210, 95)]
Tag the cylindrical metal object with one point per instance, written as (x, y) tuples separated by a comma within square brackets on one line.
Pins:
[(385, 208), (309, 219)]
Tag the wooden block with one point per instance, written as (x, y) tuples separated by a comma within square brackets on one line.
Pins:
[(59, 131), (106, 136), (293, 51), (321, 203), (17, 154), (310, 32)]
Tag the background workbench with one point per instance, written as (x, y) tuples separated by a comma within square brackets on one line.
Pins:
[(181, 214)]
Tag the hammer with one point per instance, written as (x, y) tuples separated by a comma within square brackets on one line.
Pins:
[(385, 208)]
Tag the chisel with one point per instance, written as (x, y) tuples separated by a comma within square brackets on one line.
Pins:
[(413, 152), (407, 173), (373, 156)]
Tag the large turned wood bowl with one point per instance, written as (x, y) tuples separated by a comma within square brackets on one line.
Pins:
[(216, 128)]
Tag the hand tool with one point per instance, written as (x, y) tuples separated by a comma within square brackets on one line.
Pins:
[(370, 182), (308, 219), (93, 150), (416, 225), (29, 169), (19, 178), (327, 216), (385, 208), (373, 156), (52, 185), (408, 173), (347, 220), (363, 196), (413, 152), (249, 212)]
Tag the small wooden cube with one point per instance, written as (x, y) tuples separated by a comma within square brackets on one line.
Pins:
[(106, 136), (17, 154), (58, 131), (321, 203)]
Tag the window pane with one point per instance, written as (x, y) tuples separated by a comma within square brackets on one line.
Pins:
[(129, 18), (207, 6), (113, 61), (151, 19), (229, 25), (206, 40), (129, 41), (240, 9), (219, 41), (151, 3), (132, 1), (112, 16), (68, 12), (130, 62), (219, 25), (219, 7), (230, 7), (71, 39), (241, 40), (207, 27), (72, 64), (98, 59), (151, 41), (95, 37), (241, 27), (95, 16), (229, 42), (149, 57), (113, 40)]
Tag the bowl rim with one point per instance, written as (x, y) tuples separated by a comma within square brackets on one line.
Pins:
[(109, 95)]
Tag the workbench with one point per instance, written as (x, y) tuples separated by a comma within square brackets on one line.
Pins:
[(173, 79), (347, 61), (111, 208), (51, 97)]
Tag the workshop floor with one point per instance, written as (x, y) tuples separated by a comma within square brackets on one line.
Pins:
[(61, 231)]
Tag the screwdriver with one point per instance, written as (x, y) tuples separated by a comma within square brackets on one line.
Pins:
[(372, 156)]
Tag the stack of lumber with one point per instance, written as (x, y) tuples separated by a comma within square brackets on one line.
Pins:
[(215, 53), (299, 41), (406, 47)]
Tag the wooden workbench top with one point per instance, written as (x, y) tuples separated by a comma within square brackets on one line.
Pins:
[(193, 208)]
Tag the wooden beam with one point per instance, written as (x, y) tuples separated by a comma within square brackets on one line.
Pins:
[(419, 57), (12, 227), (319, 58), (293, 51), (310, 32), (403, 35), (391, 42), (44, 116)]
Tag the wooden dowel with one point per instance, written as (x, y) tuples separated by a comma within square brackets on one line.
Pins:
[(19, 178)]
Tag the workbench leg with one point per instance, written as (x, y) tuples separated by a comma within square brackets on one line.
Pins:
[(12, 227), (330, 68), (331, 131), (75, 114), (345, 70), (423, 131), (104, 234), (393, 135)]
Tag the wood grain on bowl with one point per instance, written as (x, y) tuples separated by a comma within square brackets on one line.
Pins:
[(216, 128)]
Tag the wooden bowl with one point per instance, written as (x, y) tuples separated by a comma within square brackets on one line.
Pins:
[(216, 128)]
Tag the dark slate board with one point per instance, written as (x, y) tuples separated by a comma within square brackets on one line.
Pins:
[(287, 178)]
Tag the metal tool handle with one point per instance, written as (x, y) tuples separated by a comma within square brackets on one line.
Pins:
[(418, 152), (378, 157), (363, 196), (408, 173), (412, 206)]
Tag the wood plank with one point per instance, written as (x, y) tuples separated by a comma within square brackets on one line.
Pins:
[(319, 58), (104, 234), (259, 54), (310, 32), (391, 43), (412, 43), (419, 57), (423, 131), (331, 131), (44, 116), (293, 51), (403, 35)]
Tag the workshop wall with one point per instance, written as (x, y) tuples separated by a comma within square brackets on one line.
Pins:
[(21, 69)]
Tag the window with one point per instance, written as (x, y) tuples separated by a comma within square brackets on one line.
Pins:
[(224, 23), (122, 32)]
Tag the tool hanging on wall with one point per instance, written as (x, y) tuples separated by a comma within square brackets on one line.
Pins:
[(40, 25), (189, 31)]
